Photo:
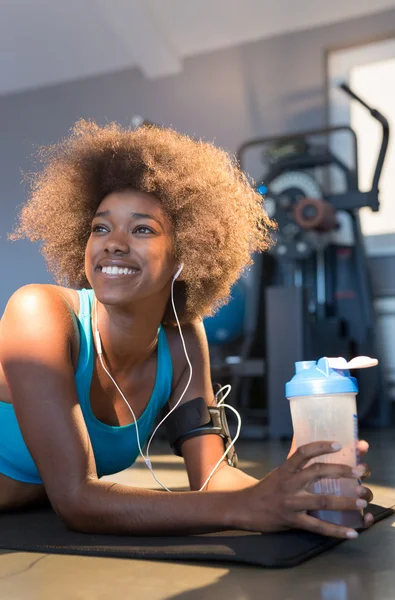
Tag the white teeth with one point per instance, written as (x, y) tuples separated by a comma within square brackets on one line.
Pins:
[(118, 270)]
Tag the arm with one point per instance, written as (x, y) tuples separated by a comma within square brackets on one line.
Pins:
[(38, 334), (280, 500), (202, 453)]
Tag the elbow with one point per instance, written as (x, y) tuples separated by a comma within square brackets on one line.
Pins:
[(72, 519), (75, 511)]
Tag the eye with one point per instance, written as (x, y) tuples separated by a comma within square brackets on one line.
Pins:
[(143, 229), (99, 229)]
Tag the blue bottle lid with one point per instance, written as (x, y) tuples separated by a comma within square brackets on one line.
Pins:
[(313, 378)]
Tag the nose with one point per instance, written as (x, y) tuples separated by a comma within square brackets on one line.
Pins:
[(117, 244)]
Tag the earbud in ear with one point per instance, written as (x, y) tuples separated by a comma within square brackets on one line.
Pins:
[(180, 268)]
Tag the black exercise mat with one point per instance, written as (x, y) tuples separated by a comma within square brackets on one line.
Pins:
[(40, 530)]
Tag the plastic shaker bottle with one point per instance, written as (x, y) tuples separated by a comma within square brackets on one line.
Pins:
[(322, 398)]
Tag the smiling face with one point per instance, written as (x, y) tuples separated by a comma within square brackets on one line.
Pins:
[(129, 254)]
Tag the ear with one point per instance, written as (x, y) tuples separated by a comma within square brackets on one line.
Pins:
[(178, 272)]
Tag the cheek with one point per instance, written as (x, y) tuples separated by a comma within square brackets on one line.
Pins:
[(87, 251), (88, 258), (152, 249), (163, 255), (158, 264)]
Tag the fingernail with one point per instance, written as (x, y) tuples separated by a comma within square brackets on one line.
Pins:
[(336, 446), (352, 534), (361, 503), (358, 471)]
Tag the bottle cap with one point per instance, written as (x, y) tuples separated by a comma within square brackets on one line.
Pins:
[(326, 376)]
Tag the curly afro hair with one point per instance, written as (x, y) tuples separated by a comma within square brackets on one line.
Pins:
[(217, 217)]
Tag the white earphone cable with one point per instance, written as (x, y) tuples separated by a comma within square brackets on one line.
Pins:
[(226, 387), (189, 365)]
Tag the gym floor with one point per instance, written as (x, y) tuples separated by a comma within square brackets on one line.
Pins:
[(364, 568)]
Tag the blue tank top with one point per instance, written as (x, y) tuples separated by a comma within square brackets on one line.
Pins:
[(115, 448)]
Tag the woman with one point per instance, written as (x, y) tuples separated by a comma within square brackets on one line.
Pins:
[(117, 213)]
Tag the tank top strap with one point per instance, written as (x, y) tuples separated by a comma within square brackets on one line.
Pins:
[(83, 374), (84, 369)]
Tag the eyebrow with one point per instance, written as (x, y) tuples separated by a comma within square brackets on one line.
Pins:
[(134, 215)]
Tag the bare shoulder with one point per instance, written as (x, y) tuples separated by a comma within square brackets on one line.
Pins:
[(194, 336), (196, 344), (35, 299), (35, 307)]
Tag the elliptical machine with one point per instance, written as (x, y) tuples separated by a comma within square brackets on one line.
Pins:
[(316, 297)]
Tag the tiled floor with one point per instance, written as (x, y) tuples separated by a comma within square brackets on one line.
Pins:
[(363, 569)]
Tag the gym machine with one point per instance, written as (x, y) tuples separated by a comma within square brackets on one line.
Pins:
[(315, 296)]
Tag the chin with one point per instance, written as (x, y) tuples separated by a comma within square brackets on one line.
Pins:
[(114, 294), (113, 297)]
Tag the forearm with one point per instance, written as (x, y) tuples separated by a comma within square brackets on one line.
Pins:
[(229, 478), (112, 508)]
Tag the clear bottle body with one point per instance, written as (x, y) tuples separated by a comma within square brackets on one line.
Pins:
[(330, 417)]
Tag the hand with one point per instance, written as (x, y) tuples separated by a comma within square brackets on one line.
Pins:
[(281, 501), (364, 492), (363, 448)]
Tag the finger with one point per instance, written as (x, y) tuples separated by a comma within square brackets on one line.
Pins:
[(321, 502), (363, 447), (364, 493), (305, 453), (318, 471), (312, 502), (367, 473), (368, 520), (305, 521)]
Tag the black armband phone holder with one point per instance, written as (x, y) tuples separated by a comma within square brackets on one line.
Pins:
[(195, 418)]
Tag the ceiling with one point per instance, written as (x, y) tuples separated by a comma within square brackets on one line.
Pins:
[(44, 42)]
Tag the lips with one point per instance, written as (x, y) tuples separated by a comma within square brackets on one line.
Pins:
[(115, 263)]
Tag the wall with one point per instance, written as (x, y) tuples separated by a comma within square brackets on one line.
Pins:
[(262, 88)]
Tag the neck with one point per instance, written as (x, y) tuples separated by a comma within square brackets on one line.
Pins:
[(129, 335)]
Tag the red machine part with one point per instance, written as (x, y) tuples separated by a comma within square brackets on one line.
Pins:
[(315, 214)]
